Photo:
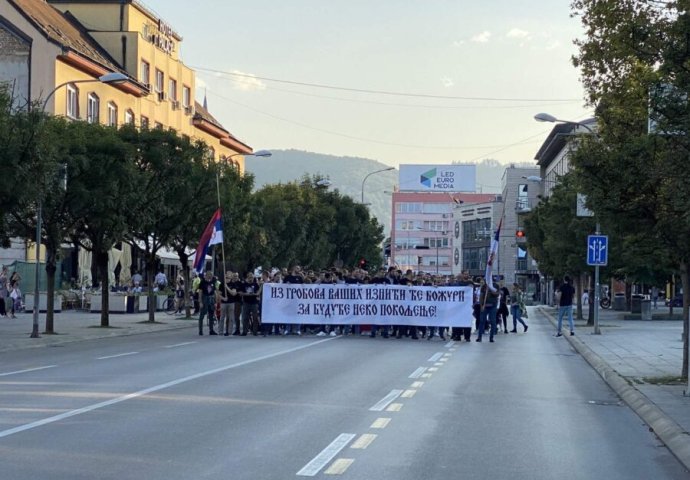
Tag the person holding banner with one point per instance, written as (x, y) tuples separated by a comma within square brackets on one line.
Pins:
[(488, 299), (458, 333), (295, 277), (250, 304)]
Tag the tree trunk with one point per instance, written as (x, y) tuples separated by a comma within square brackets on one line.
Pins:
[(51, 268), (592, 302), (184, 261), (685, 281), (150, 274), (102, 262)]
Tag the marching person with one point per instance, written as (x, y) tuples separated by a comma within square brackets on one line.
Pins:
[(488, 301), (207, 302), (250, 304), (517, 304)]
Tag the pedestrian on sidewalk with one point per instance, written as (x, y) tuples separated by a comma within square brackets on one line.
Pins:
[(565, 305), (655, 296), (4, 293)]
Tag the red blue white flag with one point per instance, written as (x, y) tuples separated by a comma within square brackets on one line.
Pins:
[(213, 234), (493, 252)]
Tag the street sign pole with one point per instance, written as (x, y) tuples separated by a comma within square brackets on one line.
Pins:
[(597, 331)]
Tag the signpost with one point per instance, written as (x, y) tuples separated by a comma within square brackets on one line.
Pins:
[(597, 255)]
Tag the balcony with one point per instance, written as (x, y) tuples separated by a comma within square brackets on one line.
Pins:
[(523, 205)]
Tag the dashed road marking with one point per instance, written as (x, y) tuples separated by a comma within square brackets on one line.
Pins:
[(179, 345), (27, 370), (380, 423), (408, 393), (364, 441), (447, 354), (417, 384), (443, 360), (435, 357), (394, 407), (434, 369), (438, 364), (385, 401), (452, 349), (426, 375), (450, 344), (339, 466), (326, 455), (417, 373), (118, 355)]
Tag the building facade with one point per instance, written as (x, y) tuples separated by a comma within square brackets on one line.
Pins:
[(474, 227), (423, 230), (520, 194), (53, 52)]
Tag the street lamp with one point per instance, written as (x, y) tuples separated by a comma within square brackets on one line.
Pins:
[(369, 175), (108, 78), (545, 117)]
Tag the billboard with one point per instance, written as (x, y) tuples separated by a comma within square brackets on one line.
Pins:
[(438, 178)]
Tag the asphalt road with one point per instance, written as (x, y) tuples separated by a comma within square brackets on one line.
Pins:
[(174, 405)]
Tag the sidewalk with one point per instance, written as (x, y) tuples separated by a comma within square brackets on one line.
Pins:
[(642, 362), (76, 326)]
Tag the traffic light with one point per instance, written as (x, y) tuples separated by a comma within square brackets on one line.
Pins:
[(520, 233)]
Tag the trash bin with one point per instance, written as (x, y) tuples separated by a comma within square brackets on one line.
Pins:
[(636, 303), (619, 302), (646, 309)]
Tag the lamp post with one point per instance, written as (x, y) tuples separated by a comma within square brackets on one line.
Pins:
[(108, 78), (545, 117), (369, 175)]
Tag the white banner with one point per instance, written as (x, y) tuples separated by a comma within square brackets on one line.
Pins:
[(366, 305)]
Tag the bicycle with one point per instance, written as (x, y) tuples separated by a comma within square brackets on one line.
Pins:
[(170, 306)]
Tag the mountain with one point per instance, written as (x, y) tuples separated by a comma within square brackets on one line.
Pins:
[(347, 173)]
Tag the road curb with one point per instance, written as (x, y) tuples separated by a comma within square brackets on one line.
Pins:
[(669, 432)]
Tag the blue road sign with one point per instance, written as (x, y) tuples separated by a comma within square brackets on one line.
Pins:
[(597, 249)]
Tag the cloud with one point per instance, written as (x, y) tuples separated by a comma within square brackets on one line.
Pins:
[(553, 45), (200, 83), (246, 82), (518, 33), (481, 37), (458, 43), (447, 82)]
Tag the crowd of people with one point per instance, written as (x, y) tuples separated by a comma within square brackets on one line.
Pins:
[(10, 293), (232, 307)]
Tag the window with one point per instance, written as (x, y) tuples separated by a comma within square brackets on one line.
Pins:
[(93, 106), (158, 125), (129, 117), (172, 89), (405, 207), (437, 242), (437, 208), (436, 225), (212, 153), (145, 73), (160, 81), (522, 197), (144, 122), (72, 101), (476, 230), (186, 96), (112, 114)]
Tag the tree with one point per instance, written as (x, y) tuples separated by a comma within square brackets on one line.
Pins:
[(101, 191), (634, 61)]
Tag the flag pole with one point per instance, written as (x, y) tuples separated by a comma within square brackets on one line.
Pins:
[(222, 244)]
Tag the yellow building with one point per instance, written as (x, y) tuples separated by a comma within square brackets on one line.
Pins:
[(45, 44)]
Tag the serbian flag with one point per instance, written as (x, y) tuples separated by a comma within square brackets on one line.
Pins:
[(213, 234), (492, 256)]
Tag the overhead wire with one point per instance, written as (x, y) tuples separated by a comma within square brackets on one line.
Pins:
[(381, 92)]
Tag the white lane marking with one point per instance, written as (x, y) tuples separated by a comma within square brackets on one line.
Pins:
[(385, 401), (417, 373), (326, 455), (434, 369), (339, 466), (450, 344), (452, 349), (381, 423), (426, 375), (27, 370), (447, 355), (364, 441), (118, 355), (146, 391), (435, 357), (438, 364), (408, 394), (394, 407), (179, 345), (417, 384)]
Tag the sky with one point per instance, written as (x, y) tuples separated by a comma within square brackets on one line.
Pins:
[(398, 81)]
